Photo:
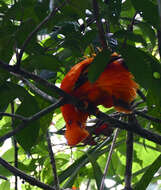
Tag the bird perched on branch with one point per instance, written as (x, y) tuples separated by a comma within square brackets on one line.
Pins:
[(114, 87)]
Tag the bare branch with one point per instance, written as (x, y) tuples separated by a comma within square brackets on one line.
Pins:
[(142, 114), (14, 116), (15, 147), (159, 41), (39, 80), (38, 91), (24, 176), (3, 177), (130, 29), (141, 95), (109, 159), (134, 105), (129, 158), (52, 161), (32, 118), (135, 128), (99, 24)]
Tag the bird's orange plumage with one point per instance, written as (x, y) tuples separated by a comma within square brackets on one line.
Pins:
[(115, 87)]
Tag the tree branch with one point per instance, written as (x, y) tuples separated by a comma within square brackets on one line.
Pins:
[(14, 116), (32, 118), (129, 158), (24, 176), (91, 109), (38, 91), (39, 80), (99, 24), (52, 161), (142, 114), (109, 159), (15, 147), (135, 128), (3, 177)]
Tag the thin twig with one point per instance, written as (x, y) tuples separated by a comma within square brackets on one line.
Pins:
[(15, 147), (36, 89), (99, 24), (129, 156), (159, 11), (24, 176), (14, 116), (142, 114), (88, 183), (3, 177), (135, 128), (134, 105), (32, 118), (130, 29), (141, 95), (37, 79), (89, 21), (109, 159), (159, 41), (30, 36), (39, 92), (52, 161)]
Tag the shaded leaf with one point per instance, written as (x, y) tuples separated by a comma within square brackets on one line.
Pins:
[(145, 7), (9, 92), (148, 31), (130, 36), (48, 62), (28, 136), (154, 108), (98, 65), (143, 68), (5, 172)]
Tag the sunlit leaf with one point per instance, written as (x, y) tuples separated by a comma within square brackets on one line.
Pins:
[(148, 175)]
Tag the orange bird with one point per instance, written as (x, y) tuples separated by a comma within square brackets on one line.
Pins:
[(114, 87)]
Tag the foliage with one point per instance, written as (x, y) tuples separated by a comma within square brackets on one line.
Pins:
[(53, 36)]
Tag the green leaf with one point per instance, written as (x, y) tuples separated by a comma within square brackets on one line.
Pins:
[(148, 31), (5, 185), (98, 65), (9, 155), (46, 120), (96, 170), (148, 175), (112, 11), (154, 108), (127, 9), (5, 172), (123, 34), (72, 170), (22, 11), (28, 136), (9, 92), (148, 10), (143, 68), (24, 30), (48, 62)]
